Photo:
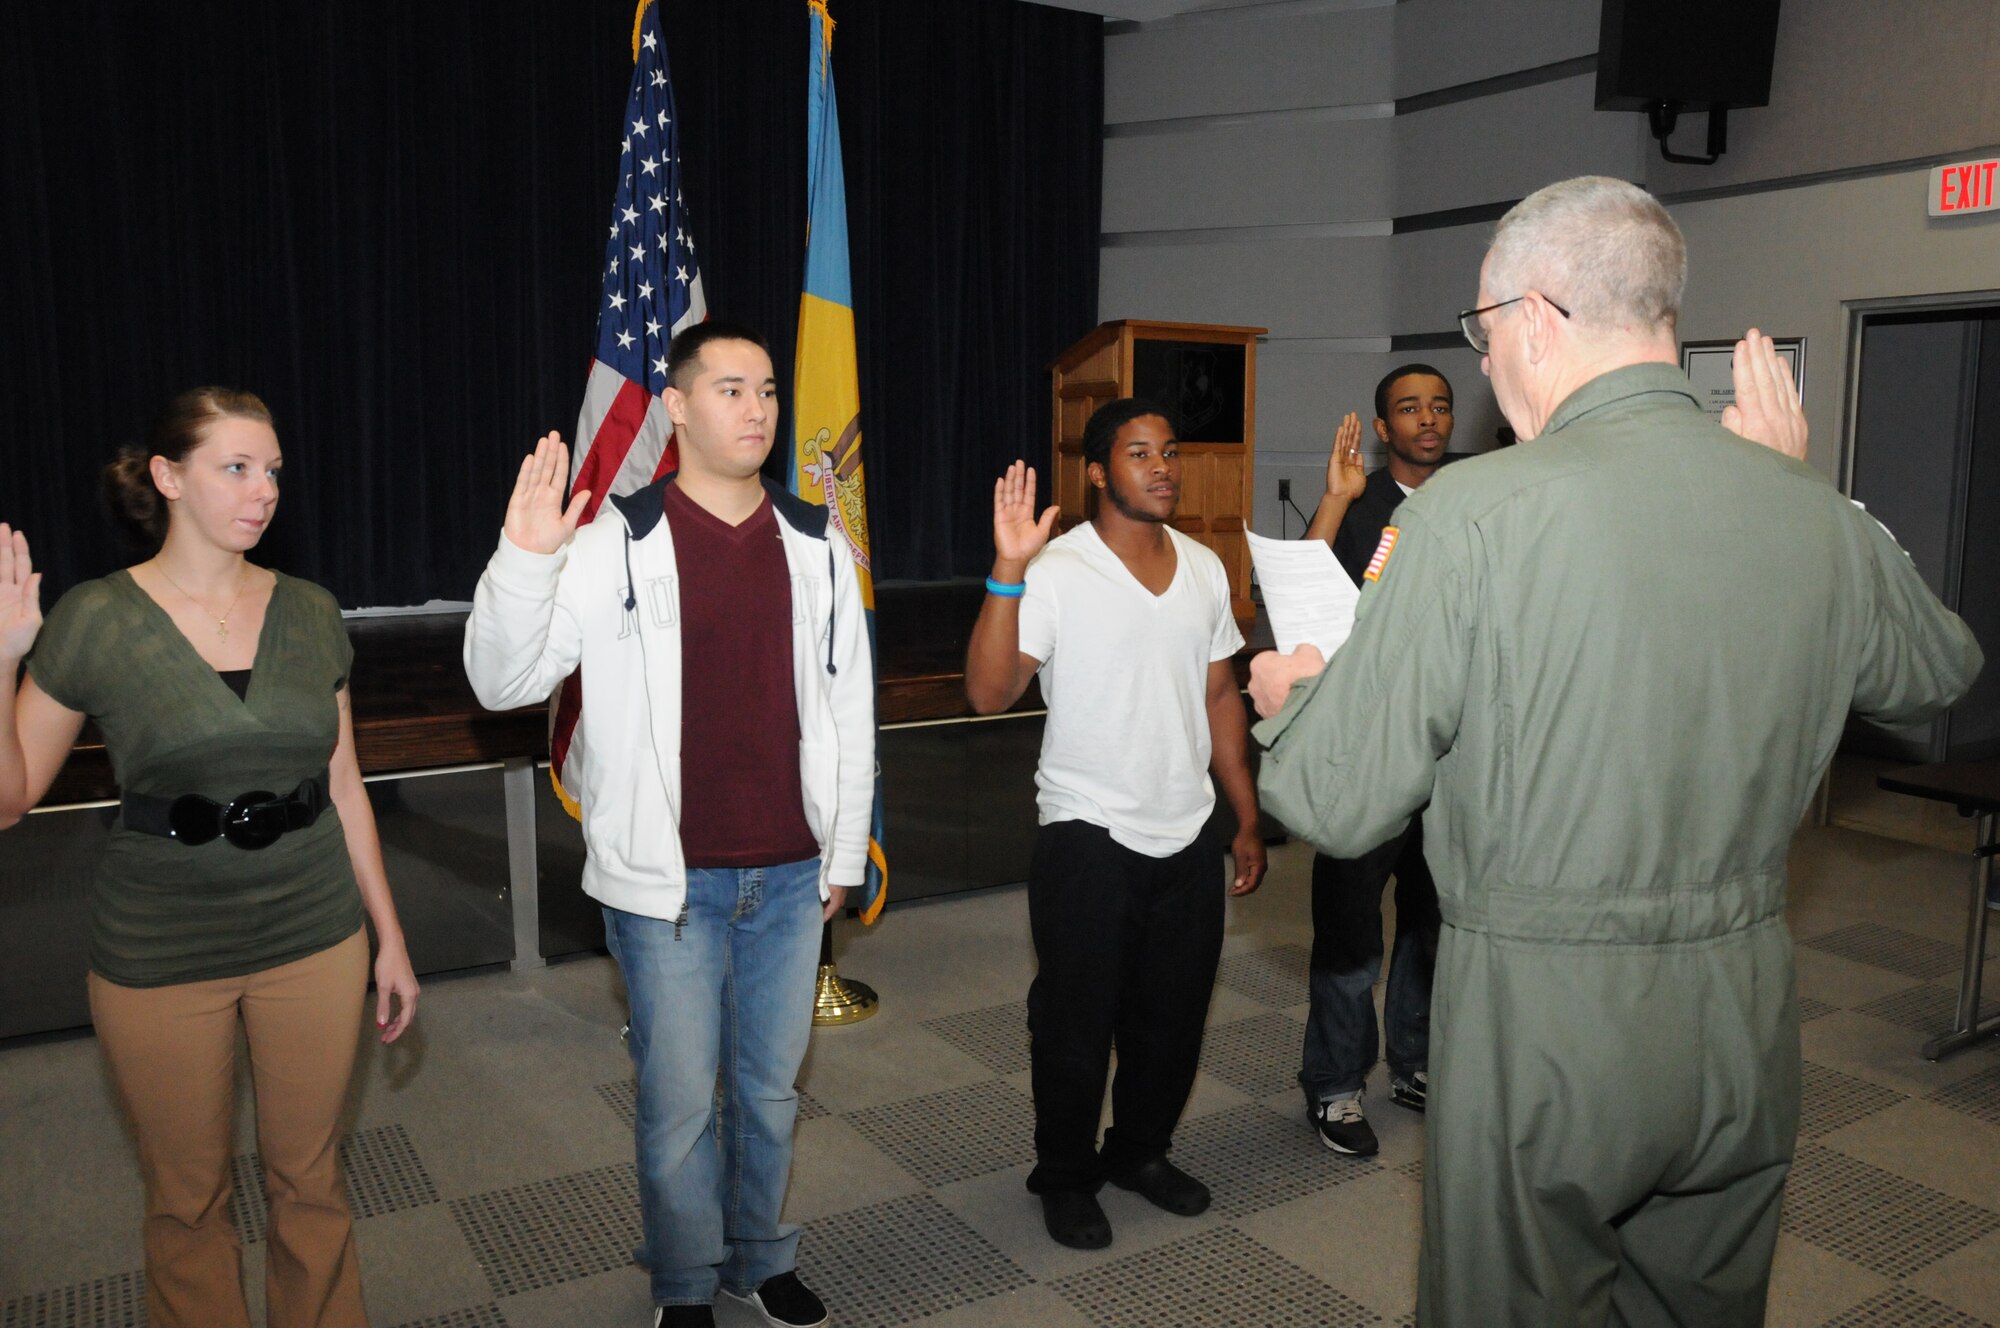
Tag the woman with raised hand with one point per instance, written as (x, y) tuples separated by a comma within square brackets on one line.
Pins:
[(233, 886)]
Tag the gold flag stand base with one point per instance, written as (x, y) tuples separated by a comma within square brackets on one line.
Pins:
[(838, 1001)]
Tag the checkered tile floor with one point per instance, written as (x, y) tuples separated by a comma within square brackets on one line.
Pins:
[(518, 1205)]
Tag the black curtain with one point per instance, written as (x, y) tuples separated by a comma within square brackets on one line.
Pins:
[(387, 220)]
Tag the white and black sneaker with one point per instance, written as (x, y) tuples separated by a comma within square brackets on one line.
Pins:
[(1343, 1128), (785, 1302), (1412, 1092)]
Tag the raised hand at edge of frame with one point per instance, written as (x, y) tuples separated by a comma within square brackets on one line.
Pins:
[(537, 521), (20, 596)]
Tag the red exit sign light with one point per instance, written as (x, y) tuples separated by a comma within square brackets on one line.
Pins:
[(1962, 187)]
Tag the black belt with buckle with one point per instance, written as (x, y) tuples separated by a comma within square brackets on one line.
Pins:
[(257, 819)]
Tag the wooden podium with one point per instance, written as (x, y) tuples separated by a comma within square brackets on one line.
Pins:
[(1208, 377)]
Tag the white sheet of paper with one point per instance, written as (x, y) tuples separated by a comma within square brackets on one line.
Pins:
[(1306, 592)]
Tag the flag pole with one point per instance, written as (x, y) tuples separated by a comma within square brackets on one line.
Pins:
[(826, 460), (837, 1000)]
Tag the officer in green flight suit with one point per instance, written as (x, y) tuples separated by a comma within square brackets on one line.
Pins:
[(1615, 661)]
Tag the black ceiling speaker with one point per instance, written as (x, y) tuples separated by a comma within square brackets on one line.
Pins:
[(1668, 56)]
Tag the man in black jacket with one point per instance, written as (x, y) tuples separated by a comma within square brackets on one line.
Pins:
[(1413, 418)]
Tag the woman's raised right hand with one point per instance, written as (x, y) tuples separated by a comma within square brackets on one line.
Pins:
[(20, 596), (537, 521), (1017, 535)]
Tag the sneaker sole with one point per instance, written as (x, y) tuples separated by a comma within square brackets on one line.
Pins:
[(1343, 1149), (1349, 1152)]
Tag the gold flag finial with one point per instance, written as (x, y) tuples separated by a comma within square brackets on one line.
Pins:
[(638, 21)]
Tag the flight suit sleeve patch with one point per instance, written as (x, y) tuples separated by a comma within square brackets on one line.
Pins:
[(1382, 552)]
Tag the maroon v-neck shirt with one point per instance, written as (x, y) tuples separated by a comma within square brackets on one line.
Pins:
[(740, 800)]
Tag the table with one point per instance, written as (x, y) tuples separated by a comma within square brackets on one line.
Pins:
[(1975, 787)]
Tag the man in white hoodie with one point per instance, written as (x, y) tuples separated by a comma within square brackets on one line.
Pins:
[(727, 778)]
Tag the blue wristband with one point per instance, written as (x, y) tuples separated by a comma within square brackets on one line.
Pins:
[(1006, 590)]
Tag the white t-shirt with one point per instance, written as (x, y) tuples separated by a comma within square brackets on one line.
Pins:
[(1125, 675)]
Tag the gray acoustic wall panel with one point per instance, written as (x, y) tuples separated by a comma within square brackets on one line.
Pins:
[(1250, 62), (1313, 288), (1255, 174), (1446, 43), (1504, 146), (1435, 274), (1302, 393)]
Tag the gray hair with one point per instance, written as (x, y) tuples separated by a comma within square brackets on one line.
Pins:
[(1603, 249)]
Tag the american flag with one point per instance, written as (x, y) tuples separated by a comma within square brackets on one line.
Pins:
[(652, 289)]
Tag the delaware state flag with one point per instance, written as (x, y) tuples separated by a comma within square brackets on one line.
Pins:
[(826, 395)]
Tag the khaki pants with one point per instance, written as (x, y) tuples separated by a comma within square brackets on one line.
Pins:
[(1609, 1131), (172, 1056)]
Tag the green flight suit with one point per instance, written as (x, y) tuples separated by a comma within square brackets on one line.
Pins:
[(1615, 661)]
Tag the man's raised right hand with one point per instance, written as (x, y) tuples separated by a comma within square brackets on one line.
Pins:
[(537, 521), (1346, 479), (1017, 534), (1766, 409)]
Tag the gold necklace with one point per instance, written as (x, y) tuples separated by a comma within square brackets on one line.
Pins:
[(222, 623)]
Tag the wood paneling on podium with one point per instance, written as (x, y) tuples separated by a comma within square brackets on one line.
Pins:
[(1207, 375)]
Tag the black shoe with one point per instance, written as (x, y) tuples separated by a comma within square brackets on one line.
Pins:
[(1075, 1218), (1343, 1128), (785, 1302), (1410, 1091), (683, 1316), (1164, 1185)]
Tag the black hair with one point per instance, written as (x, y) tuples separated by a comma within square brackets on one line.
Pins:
[(685, 349), (178, 429), (1403, 371), (1109, 418)]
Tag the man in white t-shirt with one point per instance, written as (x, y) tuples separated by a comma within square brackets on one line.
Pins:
[(1127, 622)]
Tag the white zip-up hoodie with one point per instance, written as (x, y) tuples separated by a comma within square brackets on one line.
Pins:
[(610, 601)]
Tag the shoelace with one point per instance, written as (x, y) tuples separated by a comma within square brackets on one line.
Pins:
[(1346, 1110)]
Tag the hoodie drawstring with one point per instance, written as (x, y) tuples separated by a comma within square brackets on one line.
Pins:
[(832, 602), (631, 598)]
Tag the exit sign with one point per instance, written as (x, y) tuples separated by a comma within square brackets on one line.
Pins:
[(1963, 187)]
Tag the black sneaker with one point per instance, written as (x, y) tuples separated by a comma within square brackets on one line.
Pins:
[(683, 1316), (785, 1302), (1410, 1091), (1343, 1128)]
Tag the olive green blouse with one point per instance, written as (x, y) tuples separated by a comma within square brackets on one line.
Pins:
[(162, 912)]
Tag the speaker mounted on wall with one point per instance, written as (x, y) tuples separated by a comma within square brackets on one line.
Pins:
[(1664, 57)]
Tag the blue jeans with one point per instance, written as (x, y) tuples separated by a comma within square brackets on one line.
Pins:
[(726, 991), (1340, 1041)]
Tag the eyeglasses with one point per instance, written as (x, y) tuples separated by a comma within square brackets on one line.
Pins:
[(1468, 321)]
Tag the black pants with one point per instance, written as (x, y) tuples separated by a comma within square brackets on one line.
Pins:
[(1127, 947)]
